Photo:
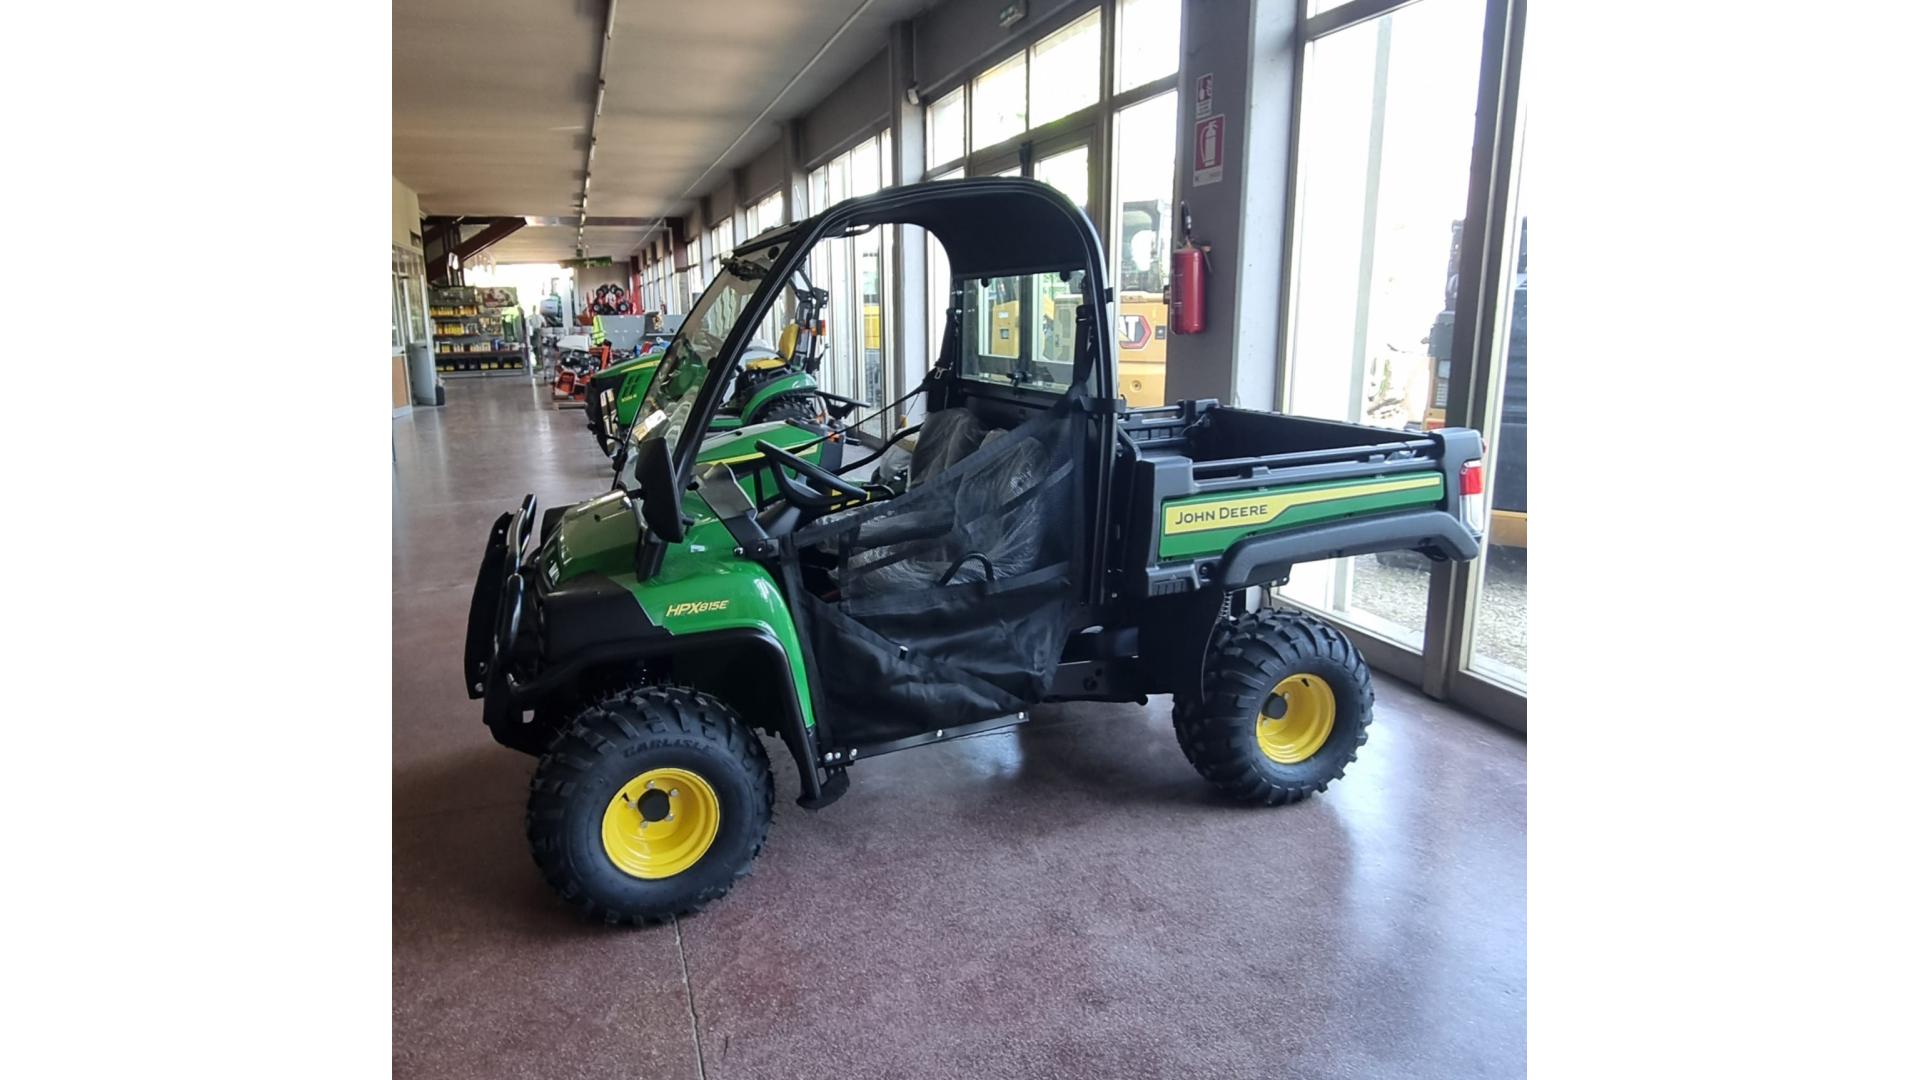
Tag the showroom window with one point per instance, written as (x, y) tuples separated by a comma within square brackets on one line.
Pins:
[(1067, 171), (766, 214), (855, 271), (1386, 134), (947, 129), (759, 217), (1056, 77), (1149, 43), (1066, 70), (1143, 150), (939, 282), (1405, 274), (1111, 152), (718, 246), (1000, 102)]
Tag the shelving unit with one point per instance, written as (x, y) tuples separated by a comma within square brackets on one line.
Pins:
[(477, 332)]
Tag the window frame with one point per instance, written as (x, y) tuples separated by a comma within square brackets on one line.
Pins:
[(1441, 666)]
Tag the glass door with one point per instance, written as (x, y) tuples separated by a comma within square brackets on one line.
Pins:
[(1386, 138)]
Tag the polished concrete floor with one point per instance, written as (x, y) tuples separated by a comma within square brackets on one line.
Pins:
[(1066, 899)]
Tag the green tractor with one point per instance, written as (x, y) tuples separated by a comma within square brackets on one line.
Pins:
[(773, 384), (1047, 543)]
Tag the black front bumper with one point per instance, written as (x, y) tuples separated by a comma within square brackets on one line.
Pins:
[(601, 408), (496, 615)]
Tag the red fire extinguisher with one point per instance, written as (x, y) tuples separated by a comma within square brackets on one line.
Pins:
[(1187, 293)]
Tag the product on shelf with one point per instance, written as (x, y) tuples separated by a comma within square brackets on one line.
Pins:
[(477, 330)]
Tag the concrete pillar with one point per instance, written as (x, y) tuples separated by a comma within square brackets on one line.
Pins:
[(1247, 47), (910, 242)]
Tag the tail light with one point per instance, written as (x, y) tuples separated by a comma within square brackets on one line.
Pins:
[(1473, 495)]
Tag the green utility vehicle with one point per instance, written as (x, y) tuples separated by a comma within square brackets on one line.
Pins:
[(772, 384), (1046, 544)]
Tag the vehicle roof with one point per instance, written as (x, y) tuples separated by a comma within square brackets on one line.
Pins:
[(990, 226)]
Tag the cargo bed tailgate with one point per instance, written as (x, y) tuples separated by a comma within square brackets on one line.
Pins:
[(1231, 497)]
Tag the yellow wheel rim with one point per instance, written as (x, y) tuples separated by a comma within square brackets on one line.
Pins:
[(1296, 720), (660, 823)]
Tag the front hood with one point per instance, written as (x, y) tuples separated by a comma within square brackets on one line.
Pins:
[(734, 447), (647, 361), (596, 535)]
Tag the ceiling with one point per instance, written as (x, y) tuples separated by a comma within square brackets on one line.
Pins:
[(492, 102)]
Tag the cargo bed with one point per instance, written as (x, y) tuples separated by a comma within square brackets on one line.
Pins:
[(1231, 497)]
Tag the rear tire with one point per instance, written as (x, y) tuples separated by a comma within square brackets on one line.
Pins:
[(1245, 739), (586, 830)]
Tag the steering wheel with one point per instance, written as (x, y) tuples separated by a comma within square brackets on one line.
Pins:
[(801, 495)]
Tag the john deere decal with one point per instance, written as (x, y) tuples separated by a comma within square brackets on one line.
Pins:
[(1198, 526)]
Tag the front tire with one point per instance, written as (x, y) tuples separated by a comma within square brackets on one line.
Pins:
[(795, 407), (651, 804), (1284, 708)]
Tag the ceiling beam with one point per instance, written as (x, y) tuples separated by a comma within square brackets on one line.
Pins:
[(594, 222), (457, 251), (497, 230)]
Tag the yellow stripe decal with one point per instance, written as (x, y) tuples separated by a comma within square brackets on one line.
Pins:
[(807, 455), (1253, 511)]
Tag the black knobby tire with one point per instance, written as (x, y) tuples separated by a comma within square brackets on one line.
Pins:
[(797, 407), (609, 744), (1249, 656)]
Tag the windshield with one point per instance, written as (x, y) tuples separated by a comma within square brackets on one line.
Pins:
[(669, 401)]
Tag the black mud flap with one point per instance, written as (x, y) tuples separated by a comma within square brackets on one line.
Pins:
[(830, 791)]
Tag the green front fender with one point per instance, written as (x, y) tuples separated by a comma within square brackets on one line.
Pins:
[(724, 595), (702, 587)]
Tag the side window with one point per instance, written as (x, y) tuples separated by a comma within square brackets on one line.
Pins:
[(1019, 330), (998, 317)]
